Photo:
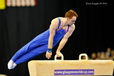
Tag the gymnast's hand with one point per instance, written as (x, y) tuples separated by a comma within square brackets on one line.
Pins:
[(58, 53), (48, 54)]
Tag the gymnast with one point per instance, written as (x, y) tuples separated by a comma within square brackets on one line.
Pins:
[(61, 28)]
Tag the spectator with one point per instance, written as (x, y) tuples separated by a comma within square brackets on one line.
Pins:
[(102, 55), (112, 54), (93, 56), (98, 55), (108, 53)]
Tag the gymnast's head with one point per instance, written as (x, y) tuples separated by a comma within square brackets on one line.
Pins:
[(71, 16)]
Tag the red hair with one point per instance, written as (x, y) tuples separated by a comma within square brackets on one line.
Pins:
[(70, 14)]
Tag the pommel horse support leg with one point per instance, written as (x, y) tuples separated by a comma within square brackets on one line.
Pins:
[(71, 67)]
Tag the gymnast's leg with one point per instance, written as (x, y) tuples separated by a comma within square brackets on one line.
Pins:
[(28, 47), (30, 55)]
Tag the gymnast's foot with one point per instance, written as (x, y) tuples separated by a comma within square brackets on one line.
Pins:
[(11, 65)]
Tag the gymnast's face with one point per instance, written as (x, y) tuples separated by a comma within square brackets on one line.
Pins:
[(72, 20)]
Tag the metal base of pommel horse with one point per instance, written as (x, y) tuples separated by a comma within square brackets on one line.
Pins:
[(71, 67)]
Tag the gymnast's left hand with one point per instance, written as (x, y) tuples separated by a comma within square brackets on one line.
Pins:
[(48, 55), (58, 53)]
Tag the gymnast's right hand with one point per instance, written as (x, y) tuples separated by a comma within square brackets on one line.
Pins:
[(48, 53)]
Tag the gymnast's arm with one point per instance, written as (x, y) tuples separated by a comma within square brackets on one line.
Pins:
[(65, 39), (53, 27)]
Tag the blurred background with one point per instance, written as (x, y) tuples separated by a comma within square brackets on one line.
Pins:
[(93, 34)]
